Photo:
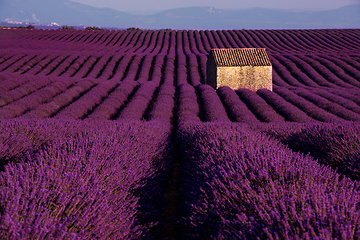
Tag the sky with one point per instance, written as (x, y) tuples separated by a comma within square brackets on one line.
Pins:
[(153, 6)]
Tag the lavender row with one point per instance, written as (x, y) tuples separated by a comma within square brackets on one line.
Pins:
[(19, 63), (107, 70), (327, 105), (188, 109), (169, 69), (98, 66), (30, 64), (42, 64), (86, 67), (193, 69), (280, 105), (279, 40), (337, 71), (113, 103), (116, 66), (211, 39), (334, 145), (343, 101), (272, 42), (205, 41), (140, 40), (87, 103), (161, 43), (296, 72), (284, 74), (241, 40), (158, 44), (91, 180), (5, 77), (58, 65), (277, 80), (119, 41), (302, 42), (349, 60), (155, 46), (202, 44), (244, 35), (324, 71), (181, 68), (116, 38), (236, 109), (36, 98), (239, 184), (4, 56), (110, 38), (348, 68), (138, 104), (62, 100), (307, 107), (310, 72), (192, 41), (164, 103), (134, 66), (10, 81), (157, 68), (72, 68), (351, 94), (28, 87), (130, 41), (193, 65), (258, 106), (187, 39), (329, 41), (212, 108), (218, 40)]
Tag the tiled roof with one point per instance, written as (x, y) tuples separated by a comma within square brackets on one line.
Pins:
[(228, 57)]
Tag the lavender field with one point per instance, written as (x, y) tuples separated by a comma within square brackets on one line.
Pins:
[(115, 135)]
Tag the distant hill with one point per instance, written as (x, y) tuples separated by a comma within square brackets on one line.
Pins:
[(65, 12), (209, 17), (62, 12)]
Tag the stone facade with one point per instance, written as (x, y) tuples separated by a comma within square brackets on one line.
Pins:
[(239, 68)]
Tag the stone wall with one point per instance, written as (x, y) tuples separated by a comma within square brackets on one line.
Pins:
[(251, 77)]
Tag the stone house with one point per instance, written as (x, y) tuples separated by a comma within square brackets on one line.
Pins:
[(239, 68)]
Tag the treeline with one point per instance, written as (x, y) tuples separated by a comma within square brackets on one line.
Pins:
[(66, 27), (20, 27)]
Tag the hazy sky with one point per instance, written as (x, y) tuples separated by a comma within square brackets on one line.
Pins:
[(151, 6)]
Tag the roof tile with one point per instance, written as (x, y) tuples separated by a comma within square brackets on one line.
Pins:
[(230, 57)]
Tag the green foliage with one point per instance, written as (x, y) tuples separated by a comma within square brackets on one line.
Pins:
[(132, 28), (66, 27), (93, 28), (21, 27)]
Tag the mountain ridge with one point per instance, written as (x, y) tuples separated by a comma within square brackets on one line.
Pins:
[(66, 12)]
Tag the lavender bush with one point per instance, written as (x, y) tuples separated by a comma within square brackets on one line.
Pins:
[(25, 89), (308, 107), (212, 108), (137, 106), (284, 108), (258, 106), (334, 145), (83, 185), (239, 184), (188, 107), (86, 103), (236, 109)]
